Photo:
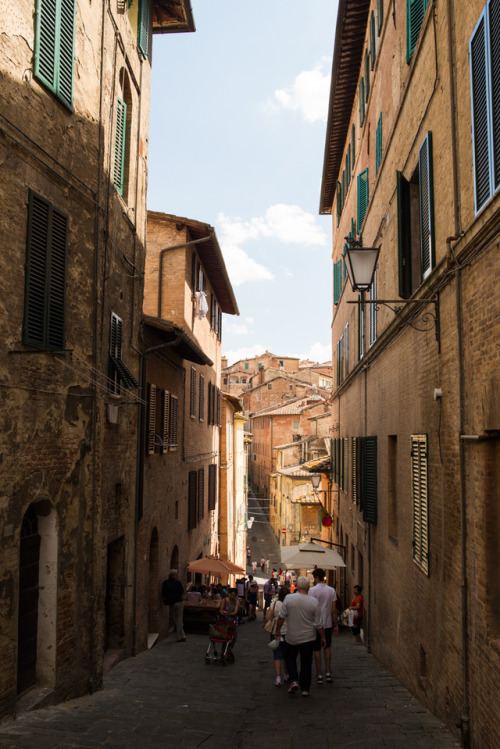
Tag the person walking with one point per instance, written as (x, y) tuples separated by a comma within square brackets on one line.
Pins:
[(356, 608), (302, 614), (327, 599), (270, 590), (173, 595), (251, 598), (272, 615)]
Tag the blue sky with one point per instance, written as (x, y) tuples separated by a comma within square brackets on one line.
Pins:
[(238, 122)]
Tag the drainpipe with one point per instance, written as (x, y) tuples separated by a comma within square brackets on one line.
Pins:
[(464, 723), (160, 268)]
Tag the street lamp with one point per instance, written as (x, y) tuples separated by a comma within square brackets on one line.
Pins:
[(315, 481), (361, 263)]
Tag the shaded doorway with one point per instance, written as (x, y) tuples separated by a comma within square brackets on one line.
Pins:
[(27, 627), (114, 635), (153, 591)]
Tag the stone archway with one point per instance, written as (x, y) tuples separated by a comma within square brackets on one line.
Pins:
[(37, 609)]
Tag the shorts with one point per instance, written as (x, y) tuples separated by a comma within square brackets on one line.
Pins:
[(252, 598), (279, 653), (328, 638)]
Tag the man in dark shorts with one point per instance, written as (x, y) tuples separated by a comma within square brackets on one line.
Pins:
[(327, 599), (251, 598)]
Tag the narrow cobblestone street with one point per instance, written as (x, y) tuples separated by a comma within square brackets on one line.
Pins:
[(168, 697)]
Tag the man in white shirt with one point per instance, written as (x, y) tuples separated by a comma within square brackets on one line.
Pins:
[(327, 599), (302, 614)]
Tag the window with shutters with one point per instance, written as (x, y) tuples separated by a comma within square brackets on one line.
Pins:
[(118, 373), (420, 495), (151, 420), (212, 486), (192, 393), (378, 144), (364, 476), (54, 47), (201, 493), (143, 25), (173, 421), (192, 499), (380, 16), (484, 56), (415, 12), (201, 399), (337, 281), (120, 132), (346, 349), (415, 201), (367, 75), (165, 420), (45, 279), (373, 43), (361, 102), (373, 312), (363, 197)]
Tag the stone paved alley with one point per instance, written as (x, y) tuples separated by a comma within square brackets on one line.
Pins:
[(168, 697)]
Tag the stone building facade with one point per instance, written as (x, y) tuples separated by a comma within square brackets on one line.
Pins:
[(186, 290), (74, 119), (409, 167)]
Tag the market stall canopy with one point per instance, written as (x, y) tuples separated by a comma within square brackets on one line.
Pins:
[(215, 567), (310, 555)]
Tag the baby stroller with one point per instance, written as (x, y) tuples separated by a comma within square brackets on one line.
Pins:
[(222, 636)]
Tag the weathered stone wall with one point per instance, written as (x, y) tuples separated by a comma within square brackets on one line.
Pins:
[(414, 620), (58, 449)]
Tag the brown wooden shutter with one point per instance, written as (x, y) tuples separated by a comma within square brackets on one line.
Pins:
[(165, 420), (173, 418), (201, 493), (212, 486), (192, 498), (151, 419)]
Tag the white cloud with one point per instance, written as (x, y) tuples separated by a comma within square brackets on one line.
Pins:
[(308, 94), (235, 328), (319, 352), (244, 352), (289, 224)]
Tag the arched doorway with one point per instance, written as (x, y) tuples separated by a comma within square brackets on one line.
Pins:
[(37, 610), (174, 558), (153, 589)]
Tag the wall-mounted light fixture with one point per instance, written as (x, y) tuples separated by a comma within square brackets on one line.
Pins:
[(361, 263)]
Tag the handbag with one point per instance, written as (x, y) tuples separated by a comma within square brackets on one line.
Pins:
[(269, 623)]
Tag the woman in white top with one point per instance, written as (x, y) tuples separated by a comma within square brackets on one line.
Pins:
[(273, 613)]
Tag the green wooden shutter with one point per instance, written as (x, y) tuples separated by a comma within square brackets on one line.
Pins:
[(415, 12), (420, 495), (346, 356), (54, 47), (119, 165), (367, 75), (373, 44), (426, 206), (339, 202), (363, 197), (337, 281), (201, 493), (57, 281), (370, 479), (45, 284), (143, 27), (380, 16), (212, 486), (151, 420), (378, 144), (173, 422), (361, 102), (165, 419), (354, 469), (494, 29), (192, 498), (404, 236)]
